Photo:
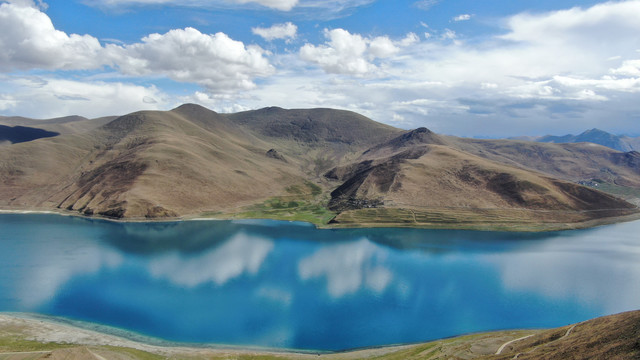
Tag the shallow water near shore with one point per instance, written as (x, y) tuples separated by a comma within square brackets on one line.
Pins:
[(289, 285)]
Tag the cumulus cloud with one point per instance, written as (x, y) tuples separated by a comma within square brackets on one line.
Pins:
[(628, 68), (30, 41), (579, 63), (353, 54), (215, 61), (277, 31)]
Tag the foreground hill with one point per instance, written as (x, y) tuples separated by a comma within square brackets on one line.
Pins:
[(315, 165), (610, 337)]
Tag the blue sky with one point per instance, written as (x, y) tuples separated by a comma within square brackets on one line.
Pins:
[(469, 68)]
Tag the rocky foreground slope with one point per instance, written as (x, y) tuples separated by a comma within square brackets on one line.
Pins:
[(279, 163)]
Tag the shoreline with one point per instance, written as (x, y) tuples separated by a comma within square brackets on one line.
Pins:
[(511, 227), (50, 329), (25, 336)]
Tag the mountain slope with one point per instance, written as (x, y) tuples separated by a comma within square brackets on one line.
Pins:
[(595, 136), (423, 176), (572, 162), (162, 164), (263, 163), (610, 337), (157, 164)]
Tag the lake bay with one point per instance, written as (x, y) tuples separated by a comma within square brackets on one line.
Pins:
[(290, 285)]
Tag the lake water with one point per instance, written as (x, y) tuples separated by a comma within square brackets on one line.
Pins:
[(289, 285)]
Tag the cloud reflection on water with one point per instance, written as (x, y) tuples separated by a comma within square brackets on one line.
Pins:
[(577, 266), (57, 266), (239, 255), (277, 284), (348, 267)]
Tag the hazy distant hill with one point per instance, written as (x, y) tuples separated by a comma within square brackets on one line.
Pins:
[(288, 164), (596, 136), (63, 125)]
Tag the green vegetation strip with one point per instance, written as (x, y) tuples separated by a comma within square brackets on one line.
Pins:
[(304, 202), (18, 344)]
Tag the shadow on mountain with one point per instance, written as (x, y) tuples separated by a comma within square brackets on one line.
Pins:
[(19, 134)]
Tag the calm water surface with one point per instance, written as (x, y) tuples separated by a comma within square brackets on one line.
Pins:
[(288, 285)]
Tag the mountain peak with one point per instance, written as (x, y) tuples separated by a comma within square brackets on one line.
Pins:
[(418, 136), (190, 109), (595, 131), (595, 136)]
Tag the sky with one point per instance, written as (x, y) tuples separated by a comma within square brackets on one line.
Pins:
[(461, 67)]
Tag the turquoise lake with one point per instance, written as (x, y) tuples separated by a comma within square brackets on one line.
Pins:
[(289, 285)]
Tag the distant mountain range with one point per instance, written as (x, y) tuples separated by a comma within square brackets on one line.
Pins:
[(596, 136), (319, 165)]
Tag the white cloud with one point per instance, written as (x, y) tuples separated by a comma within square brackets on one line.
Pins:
[(462, 17), (278, 31), (40, 4), (346, 53), (580, 64), (410, 39), (382, 47), (7, 102), (592, 27), (29, 40), (553, 66), (219, 103), (605, 83), (628, 68), (58, 97), (448, 34), (215, 61)]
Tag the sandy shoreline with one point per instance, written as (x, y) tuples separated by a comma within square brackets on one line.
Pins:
[(197, 217), (44, 329)]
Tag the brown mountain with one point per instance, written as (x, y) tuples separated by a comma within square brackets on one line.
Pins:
[(422, 178), (276, 163)]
